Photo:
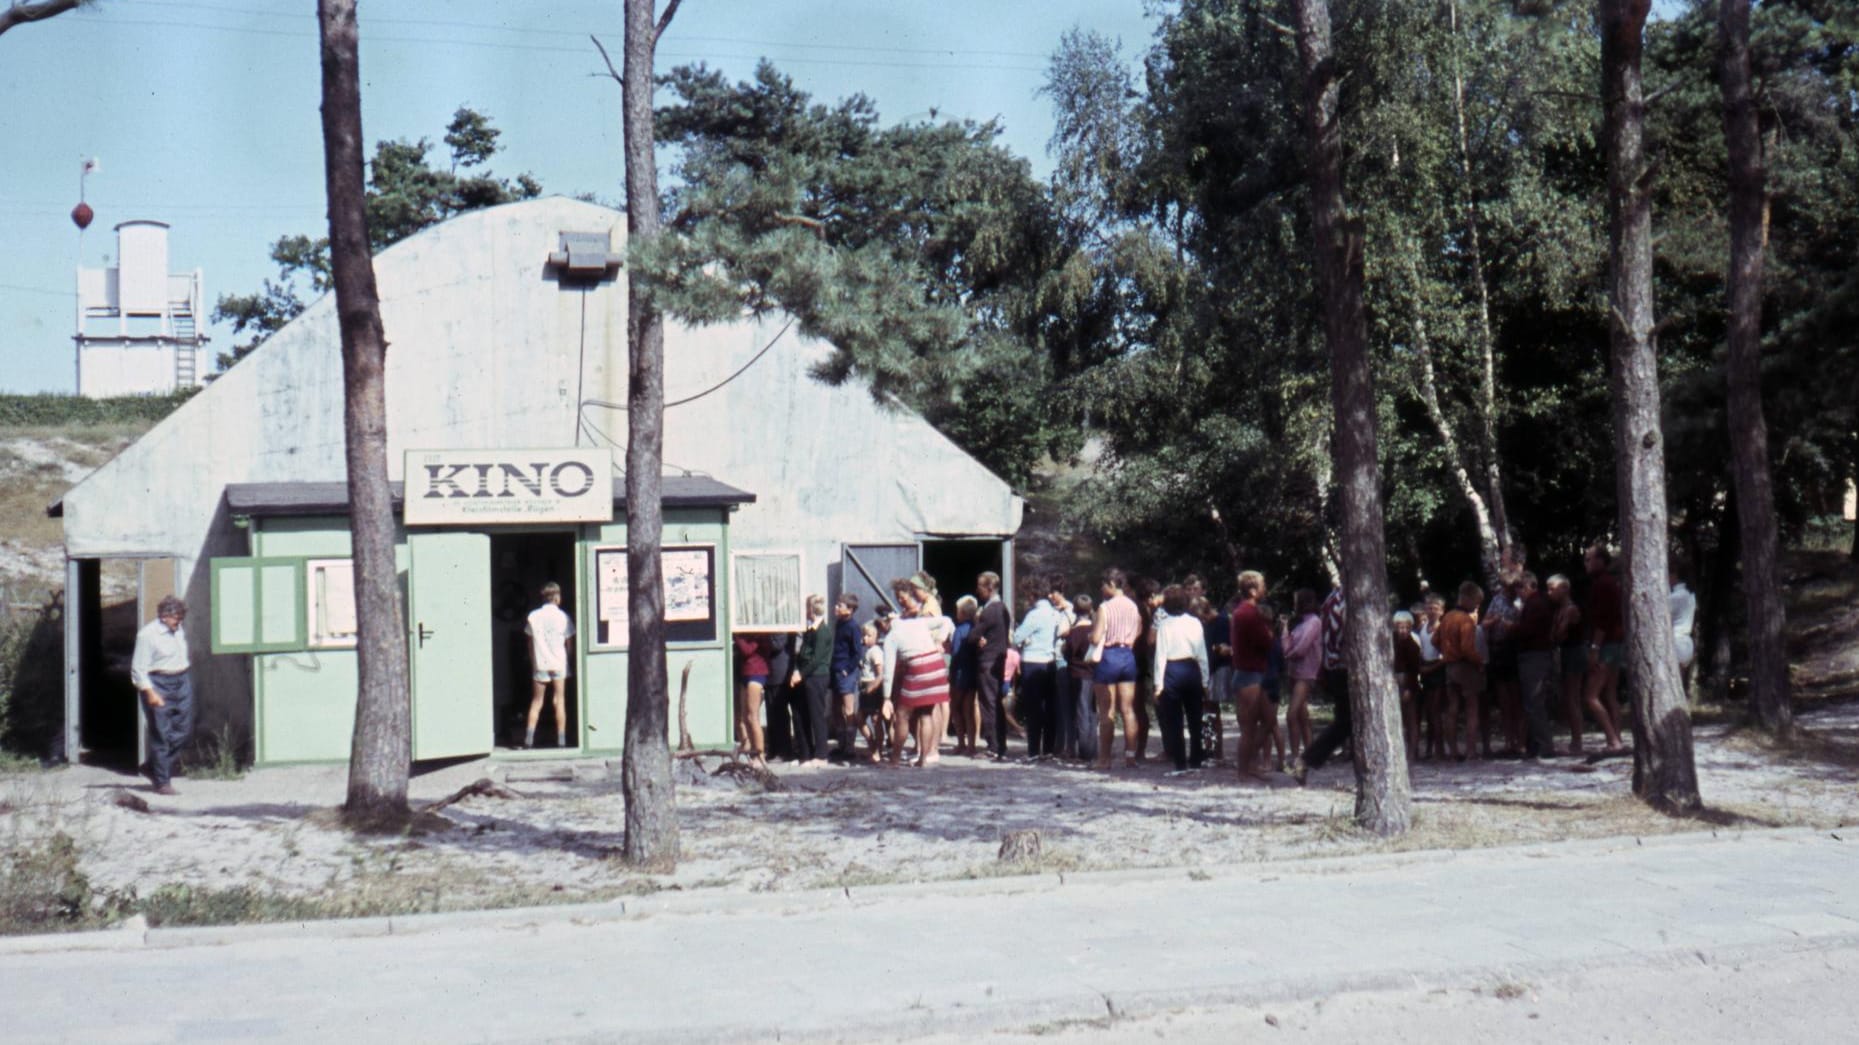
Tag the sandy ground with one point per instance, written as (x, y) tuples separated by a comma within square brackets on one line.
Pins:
[(272, 831)]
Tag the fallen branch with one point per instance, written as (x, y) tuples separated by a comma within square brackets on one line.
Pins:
[(481, 786)]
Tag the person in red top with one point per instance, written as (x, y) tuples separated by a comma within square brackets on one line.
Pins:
[(752, 670), (1607, 634), (1251, 639)]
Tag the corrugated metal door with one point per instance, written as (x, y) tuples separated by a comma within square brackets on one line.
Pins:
[(868, 569)]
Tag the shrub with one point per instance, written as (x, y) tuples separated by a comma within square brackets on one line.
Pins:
[(31, 676), (47, 409)]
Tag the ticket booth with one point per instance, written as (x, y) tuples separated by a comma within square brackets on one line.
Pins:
[(470, 573)]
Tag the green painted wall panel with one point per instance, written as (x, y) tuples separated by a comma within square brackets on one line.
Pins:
[(309, 705)]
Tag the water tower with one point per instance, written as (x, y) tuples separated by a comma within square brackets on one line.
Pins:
[(138, 325)]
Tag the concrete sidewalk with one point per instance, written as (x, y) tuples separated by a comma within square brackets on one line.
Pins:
[(905, 961)]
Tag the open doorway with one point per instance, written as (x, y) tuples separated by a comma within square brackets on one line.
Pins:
[(107, 614), (956, 563), (521, 563)]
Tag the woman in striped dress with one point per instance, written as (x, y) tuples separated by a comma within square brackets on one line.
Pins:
[(916, 673)]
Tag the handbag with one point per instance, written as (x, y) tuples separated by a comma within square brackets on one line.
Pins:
[(1094, 654)]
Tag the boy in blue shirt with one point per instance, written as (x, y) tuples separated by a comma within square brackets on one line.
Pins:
[(848, 648)]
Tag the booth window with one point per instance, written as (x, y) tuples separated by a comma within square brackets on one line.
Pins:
[(765, 590), (331, 603), (258, 605)]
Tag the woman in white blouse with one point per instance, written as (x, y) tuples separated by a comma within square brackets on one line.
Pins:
[(1181, 677), (916, 673)]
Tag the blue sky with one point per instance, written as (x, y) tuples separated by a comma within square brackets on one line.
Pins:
[(204, 112)]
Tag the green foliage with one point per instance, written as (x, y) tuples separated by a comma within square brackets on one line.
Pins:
[(42, 889), (1204, 376), (31, 675), (219, 755), (922, 252), (50, 410), (406, 193)]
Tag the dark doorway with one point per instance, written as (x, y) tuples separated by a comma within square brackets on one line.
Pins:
[(521, 563), (956, 563), (109, 712)]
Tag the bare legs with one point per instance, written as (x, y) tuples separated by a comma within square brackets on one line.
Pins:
[(559, 686), (749, 720), (1255, 728), (964, 715), (1572, 708), (1115, 701), (1297, 719), (1603, 680)]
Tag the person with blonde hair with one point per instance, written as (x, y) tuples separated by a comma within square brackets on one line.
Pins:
[(1251, 639), (964, 669), (916, 673)]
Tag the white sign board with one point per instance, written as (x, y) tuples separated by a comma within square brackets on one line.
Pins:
[(474, 487)]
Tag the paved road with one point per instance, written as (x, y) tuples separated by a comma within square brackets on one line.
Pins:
[(1004, 953)]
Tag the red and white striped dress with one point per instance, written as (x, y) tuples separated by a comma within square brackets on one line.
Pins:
[(916, 670)]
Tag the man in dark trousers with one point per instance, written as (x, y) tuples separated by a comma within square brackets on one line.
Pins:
[(158, 669), (990, 637)]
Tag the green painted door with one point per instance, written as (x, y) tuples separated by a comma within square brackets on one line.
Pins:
[(450, 634)]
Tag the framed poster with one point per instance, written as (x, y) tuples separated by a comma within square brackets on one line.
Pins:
[(765, 592), (690, 594)]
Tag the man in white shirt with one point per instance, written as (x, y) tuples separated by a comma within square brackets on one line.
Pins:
[(158, 670), (551, 634)]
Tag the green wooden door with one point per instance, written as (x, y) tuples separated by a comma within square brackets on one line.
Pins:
[(450, 635)]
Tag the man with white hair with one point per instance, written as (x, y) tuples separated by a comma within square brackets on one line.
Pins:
[(158, 670)]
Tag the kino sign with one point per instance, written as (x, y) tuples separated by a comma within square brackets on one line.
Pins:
[(509, 486)]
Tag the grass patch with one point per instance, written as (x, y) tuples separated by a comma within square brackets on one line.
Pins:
[(218, 755)]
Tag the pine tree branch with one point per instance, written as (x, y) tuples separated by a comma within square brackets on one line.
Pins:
[(664, 20), (605, 57), (20, 13)]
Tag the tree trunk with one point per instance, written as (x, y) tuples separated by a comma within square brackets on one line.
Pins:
[(645, 768), (1749, 432), (1664, 773), (1487, 344), (1384, 798), (380, 753)]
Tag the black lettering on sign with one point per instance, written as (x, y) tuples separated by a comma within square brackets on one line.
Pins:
[(587, 479), (511, 471), (435, 482)]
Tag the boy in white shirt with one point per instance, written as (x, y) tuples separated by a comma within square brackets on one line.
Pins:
[(551, 634)]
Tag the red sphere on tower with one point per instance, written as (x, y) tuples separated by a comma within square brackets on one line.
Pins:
[(81, 215)]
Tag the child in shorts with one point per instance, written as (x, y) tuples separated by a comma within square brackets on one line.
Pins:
[(871, 694)]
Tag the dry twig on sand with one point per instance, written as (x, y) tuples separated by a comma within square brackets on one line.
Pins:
[(480, 786)]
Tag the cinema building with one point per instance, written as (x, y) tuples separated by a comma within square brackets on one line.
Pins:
[(506, 381)]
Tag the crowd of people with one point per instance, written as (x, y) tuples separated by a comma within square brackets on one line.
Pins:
[(1138, 656)]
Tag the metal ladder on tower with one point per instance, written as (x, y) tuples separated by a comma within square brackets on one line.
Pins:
[(186, 346)]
